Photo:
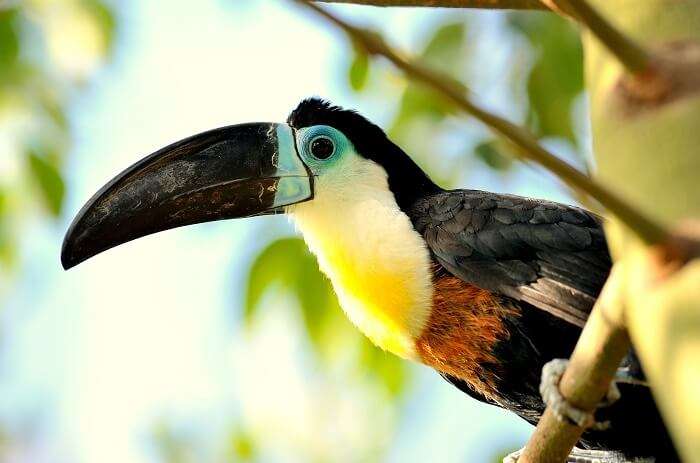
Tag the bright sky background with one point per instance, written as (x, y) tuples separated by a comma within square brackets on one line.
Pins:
[(149, 330)]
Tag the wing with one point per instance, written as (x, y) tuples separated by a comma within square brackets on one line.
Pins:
[(549, 255)]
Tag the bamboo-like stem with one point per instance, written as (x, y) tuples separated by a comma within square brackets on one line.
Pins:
[(629, 53), (600, 349), (485, 4), (646, 228)]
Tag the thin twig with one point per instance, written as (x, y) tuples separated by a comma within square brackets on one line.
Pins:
[(629, 53), (529, 148), (485, 4)]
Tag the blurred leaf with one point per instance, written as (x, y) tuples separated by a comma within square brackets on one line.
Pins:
[(392, 371), (491, 153), (171, 446), (268, 268), (359, 71), (445, 47), (54, 110), (288, 262), (444, 51), (49, 181), (242, 446), (418, 101), (556, 78), (9, 40), (105, 18), (7, 249)]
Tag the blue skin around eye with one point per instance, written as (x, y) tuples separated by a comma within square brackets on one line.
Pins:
[(307, 134)]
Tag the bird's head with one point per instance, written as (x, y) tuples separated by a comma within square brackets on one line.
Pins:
[(242, 171)]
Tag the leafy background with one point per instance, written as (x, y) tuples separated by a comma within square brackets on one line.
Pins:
[(227, 344)]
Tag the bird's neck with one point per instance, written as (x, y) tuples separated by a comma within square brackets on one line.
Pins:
[(378, 264)]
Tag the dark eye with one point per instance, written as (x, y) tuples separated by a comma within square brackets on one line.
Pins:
[(322, 147)]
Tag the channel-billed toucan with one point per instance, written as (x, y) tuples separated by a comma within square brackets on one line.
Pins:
[(485, 288)]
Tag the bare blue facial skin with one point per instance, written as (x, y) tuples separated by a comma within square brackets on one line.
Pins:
[(294, 184), (305, 138)]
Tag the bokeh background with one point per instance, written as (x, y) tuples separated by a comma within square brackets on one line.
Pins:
[(222, 342)]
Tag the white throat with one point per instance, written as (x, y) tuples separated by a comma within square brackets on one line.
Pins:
[(378, 264)]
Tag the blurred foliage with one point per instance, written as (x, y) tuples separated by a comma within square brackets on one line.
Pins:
[(242, 447), (491, 153), (359, 70), (287, 263), (445, 48), (49, 180), (171, 445), (553, 81), (556, 77), (49, 50)]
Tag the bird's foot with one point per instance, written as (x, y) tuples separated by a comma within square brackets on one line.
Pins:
[(549, 389), (578, 455)]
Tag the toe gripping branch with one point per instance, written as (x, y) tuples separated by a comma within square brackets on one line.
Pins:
[(549, 389)]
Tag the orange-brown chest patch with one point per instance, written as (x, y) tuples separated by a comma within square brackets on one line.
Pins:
[(465, 324)]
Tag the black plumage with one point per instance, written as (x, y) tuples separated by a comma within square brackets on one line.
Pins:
[(549, 255)]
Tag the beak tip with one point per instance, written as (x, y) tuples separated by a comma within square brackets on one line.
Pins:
[(68, 259), (70, 253), (67, 263)]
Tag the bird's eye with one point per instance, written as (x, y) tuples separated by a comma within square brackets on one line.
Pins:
[(322, 147)]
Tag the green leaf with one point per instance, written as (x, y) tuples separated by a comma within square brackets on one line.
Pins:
[(105, 18), (9, 41), (359, 71), (49, 181), (445, 52), (318, 301), (491, 153), (390, 370), (445, 47), (53, 110), (7, 248), (172, 446), (271, 266), (288, 262), (242, 446), (556, 77)]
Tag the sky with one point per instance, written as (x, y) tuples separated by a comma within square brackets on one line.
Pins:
[(149, 330)]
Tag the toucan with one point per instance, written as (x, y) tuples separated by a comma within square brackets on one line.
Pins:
[(485, 288)]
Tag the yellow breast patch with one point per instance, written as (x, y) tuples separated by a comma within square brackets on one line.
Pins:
[(378, 264)]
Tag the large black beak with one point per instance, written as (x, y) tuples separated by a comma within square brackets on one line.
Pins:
[(237, 171)]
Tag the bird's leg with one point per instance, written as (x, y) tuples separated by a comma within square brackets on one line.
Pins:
[(578, 455), (549, 389)]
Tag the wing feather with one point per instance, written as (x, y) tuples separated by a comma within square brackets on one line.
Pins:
[(550, 255)]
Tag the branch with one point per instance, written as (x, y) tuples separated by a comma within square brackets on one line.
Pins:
[(486, 4), (630, 54), (453, 91), (600, 349)]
